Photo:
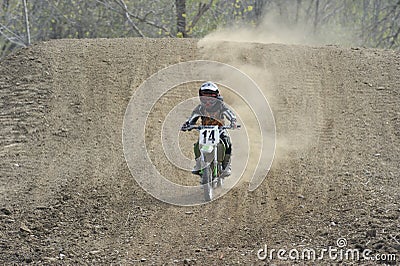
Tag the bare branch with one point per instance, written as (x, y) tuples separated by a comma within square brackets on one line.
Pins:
[(202, 9), (316, 15), (309, 10), (143, 20), (28, 33), (11, 36), (333, 13), (148, 13), (395, 37), (122, 4), (12, 40)]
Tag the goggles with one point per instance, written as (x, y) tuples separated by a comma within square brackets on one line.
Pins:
[(208, 100), (209, 94)]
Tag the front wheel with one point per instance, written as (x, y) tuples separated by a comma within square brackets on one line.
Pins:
[(206, 180)]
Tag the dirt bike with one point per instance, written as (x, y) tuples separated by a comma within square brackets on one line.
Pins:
[(212, 153)]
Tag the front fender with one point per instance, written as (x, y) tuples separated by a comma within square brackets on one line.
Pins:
[(206, 148)]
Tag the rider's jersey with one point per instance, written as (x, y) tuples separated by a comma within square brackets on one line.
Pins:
[(213, 117)]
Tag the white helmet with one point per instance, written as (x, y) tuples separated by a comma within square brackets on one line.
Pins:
[(208, 88), (209, 94)]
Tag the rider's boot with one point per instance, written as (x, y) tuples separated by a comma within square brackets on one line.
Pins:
[(226, 166), (197, 167)]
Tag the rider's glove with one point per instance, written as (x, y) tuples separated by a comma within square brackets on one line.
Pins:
[(233, 124), (185, 126)]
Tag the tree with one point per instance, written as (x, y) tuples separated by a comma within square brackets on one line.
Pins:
[(373, 23), (181, 18), (26, 17)]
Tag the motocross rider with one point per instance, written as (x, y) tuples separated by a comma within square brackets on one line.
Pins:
[(212, 111)]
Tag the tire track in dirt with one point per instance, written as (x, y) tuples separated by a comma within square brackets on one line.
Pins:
[(24, 103), (335, 173)]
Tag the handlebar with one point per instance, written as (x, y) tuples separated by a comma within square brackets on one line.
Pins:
[(191, 127)]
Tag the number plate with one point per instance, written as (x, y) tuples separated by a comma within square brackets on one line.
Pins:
[(209, 136)]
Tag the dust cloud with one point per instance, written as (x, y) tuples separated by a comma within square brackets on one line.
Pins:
[(235, 46), (273, 30)]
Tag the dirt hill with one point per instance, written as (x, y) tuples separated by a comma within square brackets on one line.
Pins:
[(67, 196)]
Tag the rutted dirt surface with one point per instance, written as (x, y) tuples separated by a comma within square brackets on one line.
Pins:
[(67, 196)]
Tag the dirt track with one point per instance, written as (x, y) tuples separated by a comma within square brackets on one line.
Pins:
[(67, 195)]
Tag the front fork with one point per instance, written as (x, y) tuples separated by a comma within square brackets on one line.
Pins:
[(213, 166)]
